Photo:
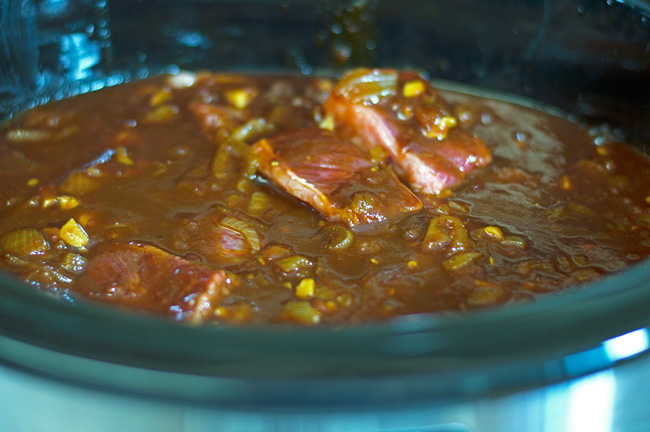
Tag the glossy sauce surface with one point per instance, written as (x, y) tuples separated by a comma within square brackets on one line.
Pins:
[(150, 172)]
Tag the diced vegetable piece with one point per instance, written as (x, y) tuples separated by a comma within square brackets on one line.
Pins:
[(461, 260), (413, 88), (435, 126), (67, 202), (74, 263), (327, 123), (234, 158), (259, 203), (244, 228), (367, 86), (305, 288), (378, 154), (240, 98), (73, 234), (122, 155), (493, 232), (446, 230), (252, 129), (79, 183), (238, 312), (459, 207), (24, 241), (338, 237), (294, 264), (301, 312)]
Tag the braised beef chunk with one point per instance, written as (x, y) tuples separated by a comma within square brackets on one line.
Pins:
[(404, 115), (222, 237), (335, 177), (150, 278)]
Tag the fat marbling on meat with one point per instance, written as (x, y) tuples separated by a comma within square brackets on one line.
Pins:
[(401, 113), (335, 177)]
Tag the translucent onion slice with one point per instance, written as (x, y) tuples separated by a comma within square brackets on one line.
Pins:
[(79, 183), (368, 85), (24, 241), (244, 228)]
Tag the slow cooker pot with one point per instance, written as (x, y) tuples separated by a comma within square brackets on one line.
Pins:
[(574, 361)]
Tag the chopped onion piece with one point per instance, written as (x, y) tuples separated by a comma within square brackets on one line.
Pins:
[(73, 234), (24, 241), (301, 312), (244, 228)]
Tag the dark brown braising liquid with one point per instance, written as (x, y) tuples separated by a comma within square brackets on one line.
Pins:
[(134, 164)]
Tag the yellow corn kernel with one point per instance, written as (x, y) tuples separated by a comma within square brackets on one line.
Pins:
[(287, 285), (647, 199), (412, 264), (73, 234), (327, 123), (305, 288), (493, 232), (413, 88), (374, 260), (32, 182), (67, 202), (240, 98), (491, 260)]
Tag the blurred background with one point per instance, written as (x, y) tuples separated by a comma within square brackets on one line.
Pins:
[(590, 57)]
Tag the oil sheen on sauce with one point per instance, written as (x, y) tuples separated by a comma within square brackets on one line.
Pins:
[(106, 194)]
